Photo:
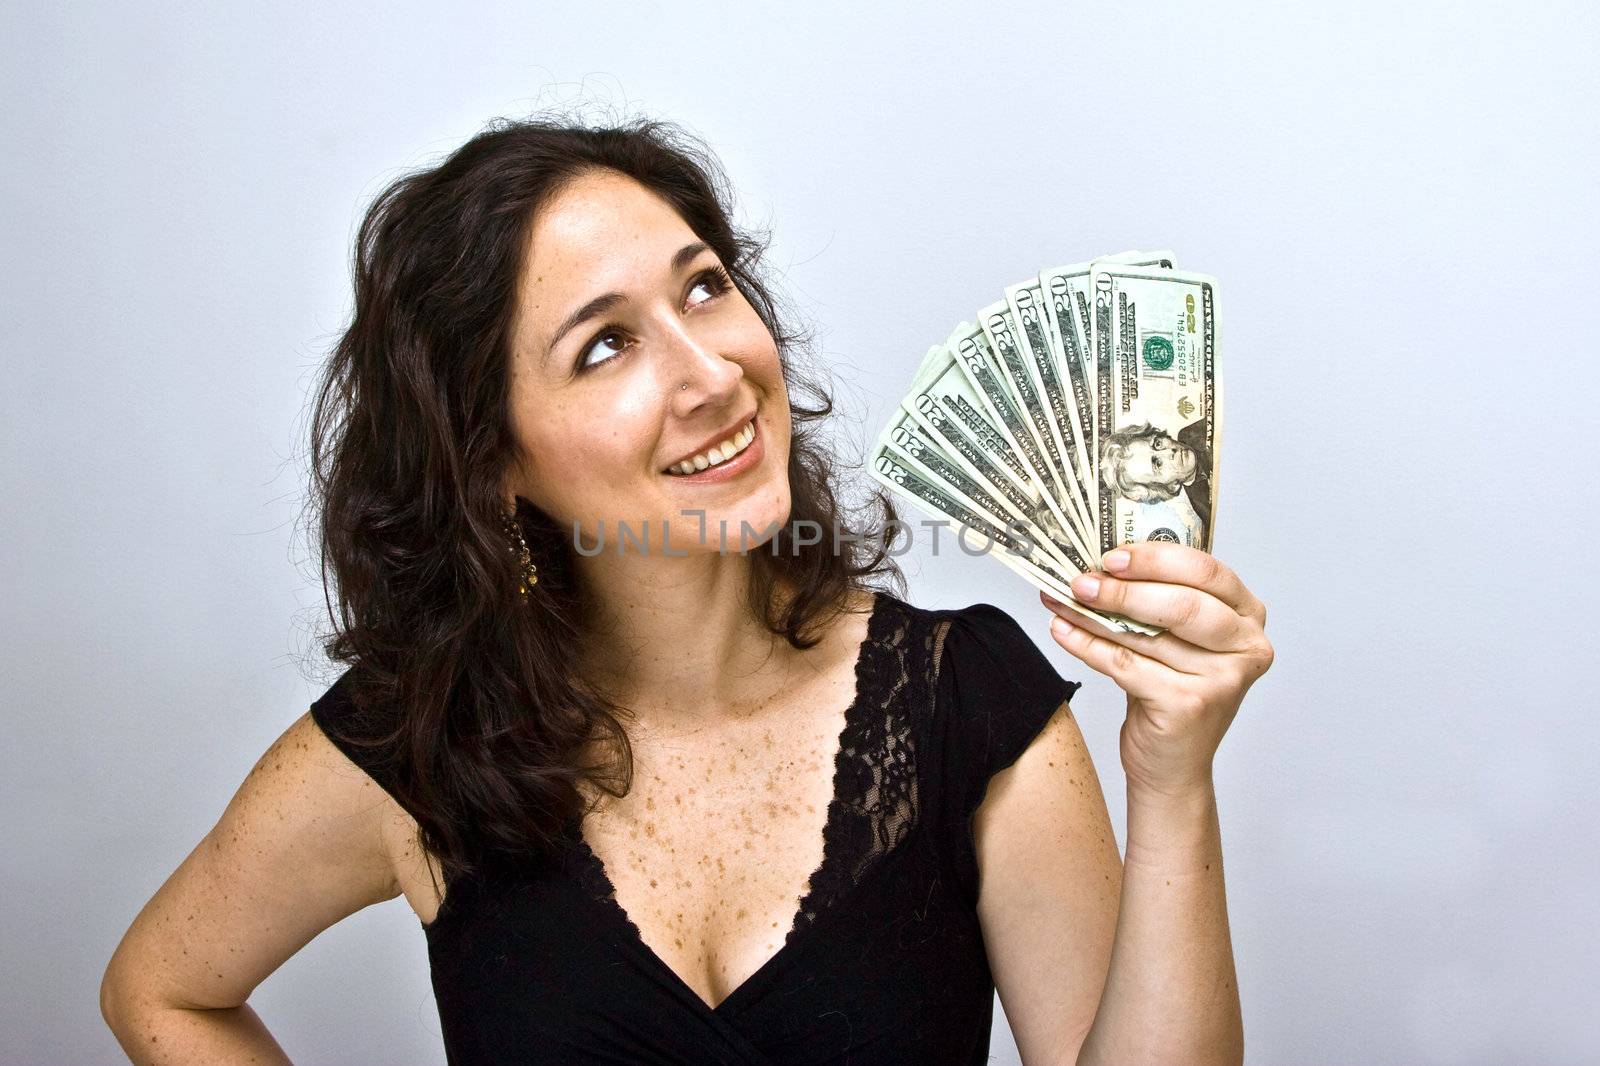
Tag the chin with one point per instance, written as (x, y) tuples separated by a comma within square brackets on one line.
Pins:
[(725, 530), (712, 517)]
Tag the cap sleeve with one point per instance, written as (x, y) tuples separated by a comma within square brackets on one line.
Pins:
[(996, 691), (363, 734)]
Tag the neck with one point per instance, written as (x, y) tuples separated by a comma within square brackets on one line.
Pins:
[(675, 640)]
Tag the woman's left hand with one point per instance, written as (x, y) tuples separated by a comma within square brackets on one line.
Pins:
[(1185, 685)]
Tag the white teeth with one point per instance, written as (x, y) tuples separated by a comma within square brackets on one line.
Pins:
[(719, 453)]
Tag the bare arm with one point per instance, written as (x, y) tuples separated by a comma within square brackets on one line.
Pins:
[(1171, 993), (1048, 889), (1172, 981), (299, 847), (1097, 960)]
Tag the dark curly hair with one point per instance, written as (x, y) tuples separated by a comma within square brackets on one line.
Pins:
[(410, 438)]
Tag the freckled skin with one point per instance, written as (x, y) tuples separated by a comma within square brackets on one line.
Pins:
[(713, 880)]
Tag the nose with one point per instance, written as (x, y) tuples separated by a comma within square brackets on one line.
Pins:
[(711, 376)]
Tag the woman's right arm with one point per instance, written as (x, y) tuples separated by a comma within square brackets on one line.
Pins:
[(299, 847)]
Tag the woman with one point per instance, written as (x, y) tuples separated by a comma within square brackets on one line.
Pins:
[(714, 798)]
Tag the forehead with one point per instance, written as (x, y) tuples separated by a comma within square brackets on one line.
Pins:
[(597, 229)]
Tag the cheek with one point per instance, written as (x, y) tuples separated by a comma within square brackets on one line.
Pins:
[(580, 454), (746, 338), (767, 369)]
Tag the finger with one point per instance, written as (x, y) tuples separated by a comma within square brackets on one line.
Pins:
[(1179, 564), (1138, 675), (1165, 648), (1196, 616)]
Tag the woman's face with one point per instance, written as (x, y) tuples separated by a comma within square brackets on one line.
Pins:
[(619, 305)]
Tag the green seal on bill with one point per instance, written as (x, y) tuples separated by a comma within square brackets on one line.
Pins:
[(1158, 353)]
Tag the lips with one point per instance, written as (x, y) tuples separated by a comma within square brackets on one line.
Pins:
[(710, 442)]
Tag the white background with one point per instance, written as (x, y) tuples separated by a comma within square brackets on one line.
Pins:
[(1399, 200)]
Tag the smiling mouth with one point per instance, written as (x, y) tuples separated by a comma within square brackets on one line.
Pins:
[(718, 454)]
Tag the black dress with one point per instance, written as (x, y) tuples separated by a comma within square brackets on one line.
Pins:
[(884, 963)]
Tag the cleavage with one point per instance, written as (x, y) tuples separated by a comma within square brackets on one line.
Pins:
[(712, 851)]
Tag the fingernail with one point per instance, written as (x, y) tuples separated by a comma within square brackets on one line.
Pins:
[(1085, 587), (1116, 560)]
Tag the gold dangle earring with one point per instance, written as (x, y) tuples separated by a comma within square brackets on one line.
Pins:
[(530, 572)]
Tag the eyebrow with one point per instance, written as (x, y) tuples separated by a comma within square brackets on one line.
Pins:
[(601, 304)]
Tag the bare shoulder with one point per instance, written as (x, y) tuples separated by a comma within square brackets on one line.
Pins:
[(855, 618), (840, 635), (302, 843), (1050, 884)]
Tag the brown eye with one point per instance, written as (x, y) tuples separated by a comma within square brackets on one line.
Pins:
[(704, 285), (715, 279), (584, 363)]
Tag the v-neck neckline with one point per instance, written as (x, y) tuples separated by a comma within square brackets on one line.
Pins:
[(593, 869)]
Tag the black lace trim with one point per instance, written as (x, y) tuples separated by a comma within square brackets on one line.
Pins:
[(875, 802)]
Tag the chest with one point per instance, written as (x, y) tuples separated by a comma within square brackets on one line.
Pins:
[(713, 849), (887, 962)]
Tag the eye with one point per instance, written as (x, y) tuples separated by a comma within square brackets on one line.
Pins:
[(714, 279), (584, 362), (702, 285), (1155, 462)]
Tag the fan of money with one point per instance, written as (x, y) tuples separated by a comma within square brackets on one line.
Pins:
[(1083, 411)]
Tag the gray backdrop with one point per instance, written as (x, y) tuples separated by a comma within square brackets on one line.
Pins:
[(1399, 200)]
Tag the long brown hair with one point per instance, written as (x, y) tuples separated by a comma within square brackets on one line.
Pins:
[(410, 439)]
